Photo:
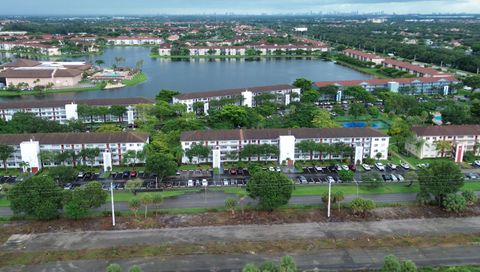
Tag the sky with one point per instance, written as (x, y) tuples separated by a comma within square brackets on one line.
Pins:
[(153, 7)]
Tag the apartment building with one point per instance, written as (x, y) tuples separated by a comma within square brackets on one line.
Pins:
[(266, 50), (165, 50), (462, 138), (64, 110), (284, 94), (366, 143), (31, 73), (44, 49), (362, 56), (420, 85), (127, 40), (217, 50), (27, 147)]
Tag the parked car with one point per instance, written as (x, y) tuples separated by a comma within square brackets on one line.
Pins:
[(80, 175), (319, 169), (472, 176), (380, 166), (366, 167), (204, 183), (338, 167), (386, 177), (126, 174), (233, 171), (133, 174), (67, 186), (345, 167), (394, 178), (278, 169), (476, 163), (302, 179), (330, 179), (225, 182), (400, 178), (392, 166), (190, 183), (405, 165), (271, 169), (352, 167), (423, 165)]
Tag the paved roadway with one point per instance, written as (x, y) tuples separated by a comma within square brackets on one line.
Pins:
[(331, 260)]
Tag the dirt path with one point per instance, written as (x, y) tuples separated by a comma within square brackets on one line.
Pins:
[(300, 231)]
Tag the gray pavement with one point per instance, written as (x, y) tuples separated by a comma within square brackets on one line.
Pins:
[(302, 231), (321, 260)]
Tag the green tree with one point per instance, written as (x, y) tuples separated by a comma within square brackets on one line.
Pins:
[(134, 205), (166, 95), (323, 119), (197, 150), (361, 206), (391, 264), (161, 165), (408, 266), (250, 268), (135, 268), (440, 179), (470, 197), (157, 200), (442, 146), (132, 157), (230, 116), (146, 200), (47, 157), (454, 203), (231, 204), (303, 84), (89, 154), (5, 152), (133, 185), (63, 174), (37, 196), (118, 111), (114, 268), (78, 202), (287, 264), (108, 128), (271, 189), (356, 110), (472, 81), (198, 107), (346, 175), (372, 179)]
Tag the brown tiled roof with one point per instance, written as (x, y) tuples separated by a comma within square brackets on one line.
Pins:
[(75, 138), (237, 91), (27, 73), (60, 103), (447, 130), (362, 54), (301, 133), (21, 63), (67, 72)]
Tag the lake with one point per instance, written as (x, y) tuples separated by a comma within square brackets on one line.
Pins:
[(196, 75)]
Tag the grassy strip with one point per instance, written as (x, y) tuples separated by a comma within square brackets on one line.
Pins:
[(136, 79), (126, 196), (97, 87), (239, 247)]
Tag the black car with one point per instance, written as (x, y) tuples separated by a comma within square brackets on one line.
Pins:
[(126, 174)]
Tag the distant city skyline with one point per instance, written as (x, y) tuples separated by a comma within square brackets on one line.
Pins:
[(184, 7)]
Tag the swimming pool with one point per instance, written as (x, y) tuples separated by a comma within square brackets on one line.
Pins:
[(361, 124)]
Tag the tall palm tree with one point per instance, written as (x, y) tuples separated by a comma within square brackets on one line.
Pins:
[(442, 146)]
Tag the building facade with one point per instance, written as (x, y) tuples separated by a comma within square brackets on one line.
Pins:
[(63, 110), (284, 95), (462, 138), (421, 85), (28, 147), (226, 144), (362, 56)]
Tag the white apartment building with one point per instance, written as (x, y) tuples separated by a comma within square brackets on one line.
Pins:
[(363, 56), (217, 50), (64, 110), (122, 40), (165, 50), (27, 147), (272, 49), (367, 143), (462, 137), (246, 96)]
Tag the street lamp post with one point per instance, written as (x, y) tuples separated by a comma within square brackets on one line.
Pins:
[(113, 206), (329, 198)]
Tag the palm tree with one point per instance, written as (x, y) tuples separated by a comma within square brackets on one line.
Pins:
[(5, 152), (476, 146), (442, 146)]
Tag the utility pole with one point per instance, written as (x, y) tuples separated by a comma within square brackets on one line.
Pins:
[(113, 206), (329, 197)]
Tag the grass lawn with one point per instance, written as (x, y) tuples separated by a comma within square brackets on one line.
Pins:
[(187, 167), (4, 202), (136, 79), (126, 196), (414, 161), (98, 86)]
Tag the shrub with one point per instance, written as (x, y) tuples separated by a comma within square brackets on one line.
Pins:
[(346, 175), (231, 204), (408, 266), (114, 268), (373, 180), (423, 198), (454, 203), (361, 206), (391, 264), (269, 266), (271, 189), (287, 264), (135, 268), (250, 268), (470, 197)]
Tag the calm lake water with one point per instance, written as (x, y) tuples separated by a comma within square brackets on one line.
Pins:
[(204, 75)]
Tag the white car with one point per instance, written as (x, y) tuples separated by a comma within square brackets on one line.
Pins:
[(400, 178), (380, 166), (338, 167), (330, 179), (190, 183), (394, 178), (366, 167), (405, 165), (204, 183), (345, 167), (271, 169), (476, 163), (225, 182), (278, 169), (392, 166)]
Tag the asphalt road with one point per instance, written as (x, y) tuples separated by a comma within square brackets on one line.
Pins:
[(234, 233), (217, 200), (332, 260)]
